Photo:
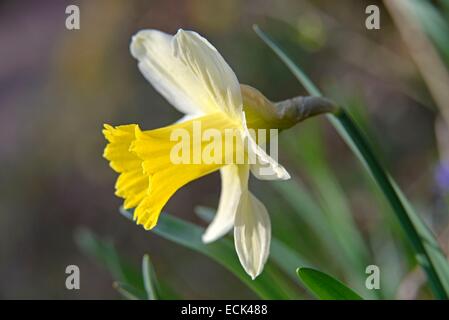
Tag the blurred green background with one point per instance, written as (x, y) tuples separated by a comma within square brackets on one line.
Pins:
[(58, 87)]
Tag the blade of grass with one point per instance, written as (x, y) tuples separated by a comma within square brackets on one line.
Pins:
[(149, 278), (286, 258), (104, 252), (423, 52), (267, 285), (128, 291), (393, 255), (325, 287), (127, 275), (428, 253), (309, 153), (433, 22), (312, 215)]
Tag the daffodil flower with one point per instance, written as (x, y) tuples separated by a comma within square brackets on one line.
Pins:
[(192, 75)]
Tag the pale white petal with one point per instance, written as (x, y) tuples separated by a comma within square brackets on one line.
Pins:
[(265, 167), (269, 170), (233, 179), (188, 71), (252, 234), (154, 51), (210, 71)]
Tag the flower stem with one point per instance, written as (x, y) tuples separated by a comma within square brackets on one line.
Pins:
[(302, 108)]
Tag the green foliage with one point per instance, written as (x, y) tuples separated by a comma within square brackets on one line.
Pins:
[(128, 292), (434, 23), (428, 253), (130, 283), (104, 253), (149, 278), (325, 287), (268, 285)]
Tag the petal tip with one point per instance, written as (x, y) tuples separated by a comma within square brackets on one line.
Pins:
[(137, 46), (254, 274), (204, 239), (180, 31), (207, 238), (285, 175)]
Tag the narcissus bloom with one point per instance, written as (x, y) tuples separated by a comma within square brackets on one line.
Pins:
[(191, 74)]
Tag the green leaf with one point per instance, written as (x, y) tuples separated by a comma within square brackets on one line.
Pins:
[(428, 253), (302, 77), (333, 224), (149, 278), (127, 275), (286, 258), (331, 217), (433, 22), (267, 285), (325, 287), (103, 251), (128, 291)]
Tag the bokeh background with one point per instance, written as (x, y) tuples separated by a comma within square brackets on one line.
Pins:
[(58, 87)]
